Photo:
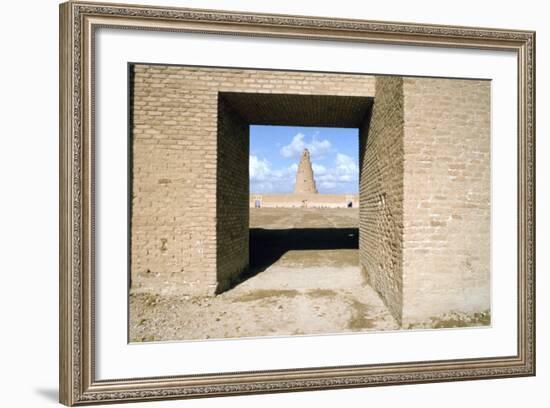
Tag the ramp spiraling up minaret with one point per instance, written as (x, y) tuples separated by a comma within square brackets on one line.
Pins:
[(305, 183)]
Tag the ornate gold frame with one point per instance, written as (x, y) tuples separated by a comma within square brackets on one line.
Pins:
[(77, 24)]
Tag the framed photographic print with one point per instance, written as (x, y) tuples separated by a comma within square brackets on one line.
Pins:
[(256, 203)]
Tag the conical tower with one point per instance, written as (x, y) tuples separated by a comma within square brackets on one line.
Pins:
[(305, 183)]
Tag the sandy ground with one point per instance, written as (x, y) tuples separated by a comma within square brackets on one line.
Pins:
[(305, 279)]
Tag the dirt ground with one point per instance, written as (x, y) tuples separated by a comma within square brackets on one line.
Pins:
[(305, 279)]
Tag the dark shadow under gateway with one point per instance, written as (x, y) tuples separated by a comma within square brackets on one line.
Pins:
[(267, 246)]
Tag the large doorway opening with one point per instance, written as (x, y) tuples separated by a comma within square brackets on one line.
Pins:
[(308, 178), (241, 114), (424, 185)]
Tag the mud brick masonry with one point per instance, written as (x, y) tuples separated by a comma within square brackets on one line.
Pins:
[(305, 182), (424, 178)]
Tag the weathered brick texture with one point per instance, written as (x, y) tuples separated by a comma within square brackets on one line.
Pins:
[(173, 222), (381, 194), (232, 213), (190, 197), (424, 182), (446, 237)]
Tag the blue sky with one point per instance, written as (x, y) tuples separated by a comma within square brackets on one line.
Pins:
[(275, 152)]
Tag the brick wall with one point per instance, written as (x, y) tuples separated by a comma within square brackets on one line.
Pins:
[(381, 194), (424, 183), (446, 234), (232, 215), (176, 227), (173, 222)]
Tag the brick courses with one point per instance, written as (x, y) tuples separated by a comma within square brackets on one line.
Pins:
[(424, 182)]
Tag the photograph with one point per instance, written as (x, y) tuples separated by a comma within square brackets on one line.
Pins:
[(291, 203), (263, 202), (283, 203)]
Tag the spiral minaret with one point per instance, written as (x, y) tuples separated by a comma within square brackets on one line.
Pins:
[(305, 182)]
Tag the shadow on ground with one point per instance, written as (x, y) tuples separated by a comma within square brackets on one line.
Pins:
[(267, 246)]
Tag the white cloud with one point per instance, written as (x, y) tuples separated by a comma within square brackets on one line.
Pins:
[(346, 165), (259, 169), (329, 185), (343, 177), (263, 178), (296, 147), (318, 169)]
